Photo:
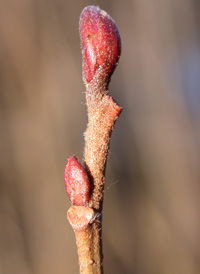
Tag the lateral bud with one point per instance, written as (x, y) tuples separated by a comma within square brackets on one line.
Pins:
[(76, 182)]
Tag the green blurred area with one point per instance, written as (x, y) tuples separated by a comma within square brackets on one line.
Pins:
[(152, 209)]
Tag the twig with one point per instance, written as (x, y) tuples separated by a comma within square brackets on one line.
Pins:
[(101, 48)]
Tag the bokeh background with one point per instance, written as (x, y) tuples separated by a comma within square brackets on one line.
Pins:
[(152, 209)]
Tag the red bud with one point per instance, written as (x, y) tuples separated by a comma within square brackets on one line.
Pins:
[(100, 41), (76, 182)]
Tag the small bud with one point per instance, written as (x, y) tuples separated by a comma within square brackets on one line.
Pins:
[(101, 45), (76, 182)]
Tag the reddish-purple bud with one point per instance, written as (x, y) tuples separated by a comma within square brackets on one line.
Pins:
[(100, 41), (76, 182)]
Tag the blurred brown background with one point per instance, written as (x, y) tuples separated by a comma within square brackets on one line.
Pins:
[(151, 210)]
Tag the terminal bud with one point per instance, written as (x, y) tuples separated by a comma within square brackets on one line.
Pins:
[(101, 45)]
